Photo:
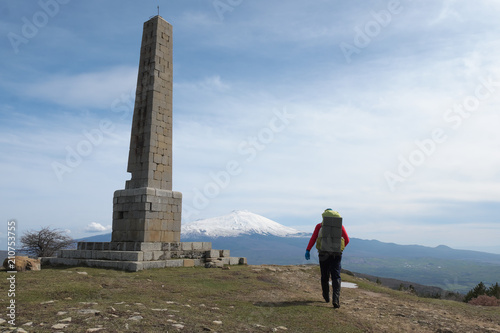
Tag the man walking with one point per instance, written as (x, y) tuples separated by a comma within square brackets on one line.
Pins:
[(331, 239)]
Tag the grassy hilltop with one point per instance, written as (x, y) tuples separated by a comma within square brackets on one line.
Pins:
[(239, 299)]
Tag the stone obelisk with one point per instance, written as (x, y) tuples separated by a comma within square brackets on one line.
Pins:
[(148, 210), (147, 213)]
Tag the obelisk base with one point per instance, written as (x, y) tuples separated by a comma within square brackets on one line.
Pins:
[(147, 215), (137, 256)]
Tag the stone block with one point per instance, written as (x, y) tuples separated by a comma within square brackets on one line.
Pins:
[(97, 246), (132, 256), (153, 264), (174, 263), (103, 255), (212, 254), (187, 246), (242, 261), (164, 193), (150, 246), (225, 261), (88, 254), (131, 266), (159, 255), (234, 261), (188, 263), (147, 256), (224, 253), (197, 246), (207, 246)]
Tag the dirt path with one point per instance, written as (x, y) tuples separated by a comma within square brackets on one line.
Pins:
[(382, 312)]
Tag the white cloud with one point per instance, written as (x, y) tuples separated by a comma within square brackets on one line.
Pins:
[(92, 89), (97, 227)]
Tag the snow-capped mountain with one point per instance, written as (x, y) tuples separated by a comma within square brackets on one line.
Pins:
[(237, 223)]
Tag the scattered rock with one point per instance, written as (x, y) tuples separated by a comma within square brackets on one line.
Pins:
[(136, 318), (82, 273), (2, 320), (97, 329), (217, 322), (66, 320), (47, 302), (20, 330), (179, 326), (88, 303), (61, 313), (283, 328), (30, 323), (89, 311), (59, 326), (160, 310)]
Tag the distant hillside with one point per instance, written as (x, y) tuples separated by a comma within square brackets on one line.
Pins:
[(374, 248), (420, 289)]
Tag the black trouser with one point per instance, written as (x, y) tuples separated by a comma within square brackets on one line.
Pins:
[(329, 264)]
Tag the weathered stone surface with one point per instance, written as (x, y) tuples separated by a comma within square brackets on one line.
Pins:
[(188, 263), (212, 254), (150, 156)]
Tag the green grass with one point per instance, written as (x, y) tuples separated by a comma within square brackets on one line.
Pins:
[(240, 297)]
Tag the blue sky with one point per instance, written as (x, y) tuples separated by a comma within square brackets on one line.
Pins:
[(386, 111)]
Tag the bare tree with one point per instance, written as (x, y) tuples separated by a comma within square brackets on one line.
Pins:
[(46, 242)]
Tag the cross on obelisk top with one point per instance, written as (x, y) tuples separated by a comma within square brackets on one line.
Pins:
[(150, 155)]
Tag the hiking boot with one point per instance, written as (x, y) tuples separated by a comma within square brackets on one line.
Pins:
[(336, 306), (327, 298)]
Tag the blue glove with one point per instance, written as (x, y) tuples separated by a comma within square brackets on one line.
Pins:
[(308, 255)]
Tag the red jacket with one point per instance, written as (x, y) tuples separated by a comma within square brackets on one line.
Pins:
[(315, 236)]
